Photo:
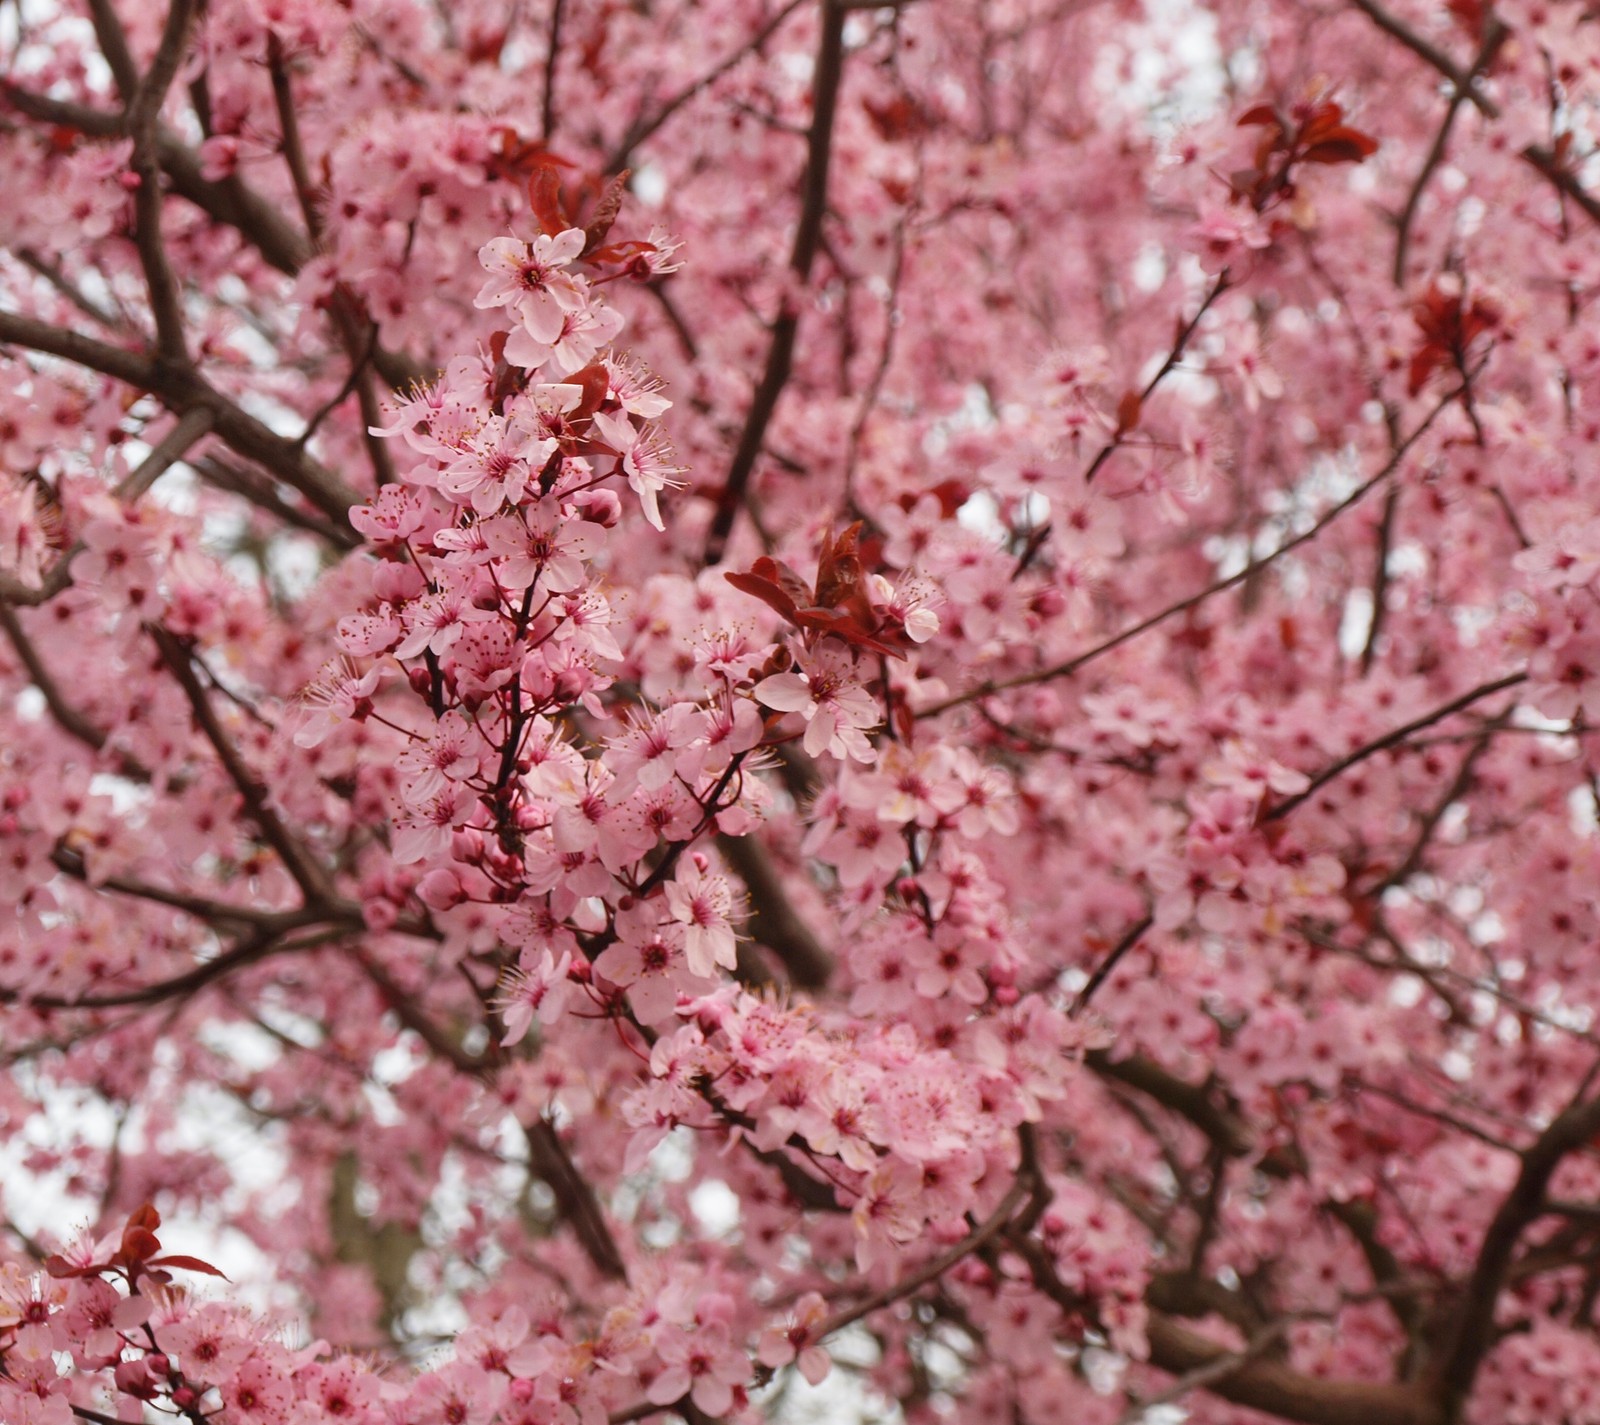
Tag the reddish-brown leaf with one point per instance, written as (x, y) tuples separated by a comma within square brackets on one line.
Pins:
[(187, 1264), (596, 382), (1260, 114), (605, 213), (544, 196), (1128, 411), (775, 584), (138, 1245), (1345, 146)]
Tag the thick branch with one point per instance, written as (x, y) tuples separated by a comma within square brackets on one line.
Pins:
[(775, 923), (1473, 1328), (575, 1199), (183, 391), (246, 952), (826, 79), (1279, 1390)]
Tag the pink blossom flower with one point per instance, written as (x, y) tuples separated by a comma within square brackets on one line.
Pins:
[(828, 695), (538, 993), (703, 1364), (528, 278), (702, 903)]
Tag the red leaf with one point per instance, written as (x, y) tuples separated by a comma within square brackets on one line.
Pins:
[(1128, 409), (843, 626), (605, 213), (544, 195), (620, 253), (841, 577), (596, 382), (1345, 146), (1261, 114), (187, 1264), (774, 584), (138, 1244)]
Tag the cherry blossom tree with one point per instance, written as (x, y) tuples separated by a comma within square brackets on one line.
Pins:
[(719, 708)]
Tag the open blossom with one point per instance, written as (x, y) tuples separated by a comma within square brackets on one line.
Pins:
[(339, 695), (582, 335), (496, 466), (827, 693), (537, 544), (423, 830), (703, 1364), (530, 280), (538, 993), (647, 460), (794, 1339), (454, 753), (702, 903)]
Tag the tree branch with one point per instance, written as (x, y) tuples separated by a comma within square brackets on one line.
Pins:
[(1390, 738), (826, 78), (1472, 1332), (1250, 571), (143, 113), (308, 874), (182, 391)]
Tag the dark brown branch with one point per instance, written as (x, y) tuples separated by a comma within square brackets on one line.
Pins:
[(68, 718), (552, 56), (1380, 577), (1103, 970), (247, 952), (992, 1226), (826, 79), (1191, 1101), (182, 391), (1472, 1331), (1463, 81), (230, 202), (575, 1199), (1392, 737), (1180, 345), (113, 40), (775, 923), (1435, 814), (55, 275), (643, 127), (1546, 161), (1543, 160), (1277, 1389), (357, 332), (262, 491), (1495, 35), (217, 914), (1250, 571), (179, 440), (294, 152), (143, 115), (297, 860)]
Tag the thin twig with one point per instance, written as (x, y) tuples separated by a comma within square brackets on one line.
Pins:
[(547, 109), (643, 128), (1102, 971), (1391, 738), (1250, 571)]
